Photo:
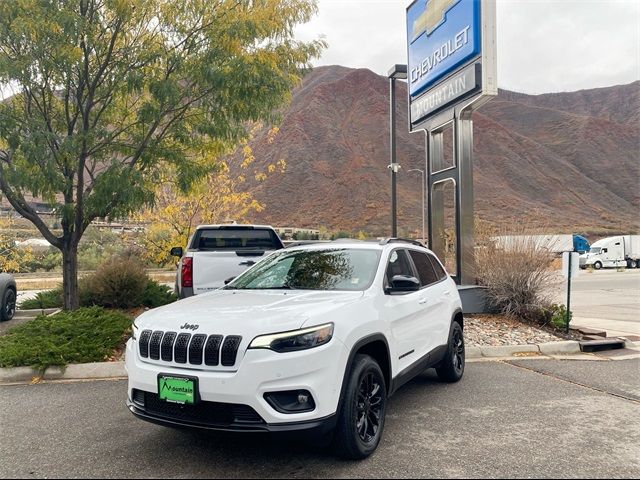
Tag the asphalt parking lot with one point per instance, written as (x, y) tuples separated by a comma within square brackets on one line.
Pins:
[(527, 418), (606, 299)]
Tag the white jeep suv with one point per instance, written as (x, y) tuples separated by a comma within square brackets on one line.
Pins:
[(312, 338)]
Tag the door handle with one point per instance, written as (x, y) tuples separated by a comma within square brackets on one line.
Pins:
[(249, 263), (447, 292), (423, 301)]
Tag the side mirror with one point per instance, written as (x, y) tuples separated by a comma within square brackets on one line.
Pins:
[(177, 252), (403, 284), (229, 280)]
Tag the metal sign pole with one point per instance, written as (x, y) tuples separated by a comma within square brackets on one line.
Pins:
[(568, 316), (392, 122), (465, 250)]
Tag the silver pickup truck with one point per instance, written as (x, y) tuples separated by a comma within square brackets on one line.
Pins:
[(216, 253)]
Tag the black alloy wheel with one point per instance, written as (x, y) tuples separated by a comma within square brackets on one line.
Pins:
[(362, 410), (369, 408), (8, 305), (451, 369)]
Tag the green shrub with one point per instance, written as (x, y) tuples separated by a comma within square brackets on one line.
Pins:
[(156, 295), (118, 283), (558, 314), (46, 299), (83, 336)]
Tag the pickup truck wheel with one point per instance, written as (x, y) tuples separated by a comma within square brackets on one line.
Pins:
[(361, 419), (452, 367), (8, 305), (597, 265)]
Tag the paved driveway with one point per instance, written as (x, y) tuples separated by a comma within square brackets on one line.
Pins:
[(530, 418), (606, 299)]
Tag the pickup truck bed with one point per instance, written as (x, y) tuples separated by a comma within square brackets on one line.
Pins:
[(219, 252)]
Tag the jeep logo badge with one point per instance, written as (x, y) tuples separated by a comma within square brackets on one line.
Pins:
[(193, 328)]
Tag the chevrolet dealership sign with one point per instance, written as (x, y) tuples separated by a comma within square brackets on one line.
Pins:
[(446, 53)]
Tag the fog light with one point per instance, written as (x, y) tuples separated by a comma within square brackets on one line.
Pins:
[(295, 401)]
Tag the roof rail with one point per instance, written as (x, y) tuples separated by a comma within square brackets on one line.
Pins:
[(346, 240), (386, 241)]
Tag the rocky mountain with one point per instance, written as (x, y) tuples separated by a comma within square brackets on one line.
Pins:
[(569, 162)]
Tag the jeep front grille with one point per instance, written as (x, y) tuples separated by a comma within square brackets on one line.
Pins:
[(183, 348), (212, 351), (182, 344), (195, 349), (230, 350), (166, 350), (154, 346)]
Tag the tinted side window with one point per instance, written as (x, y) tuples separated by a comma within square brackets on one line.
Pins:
[(235, 238), (440, 273), (425, 269), (399, 265)]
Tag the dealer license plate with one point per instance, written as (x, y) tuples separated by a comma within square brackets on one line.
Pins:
[(180, 390)]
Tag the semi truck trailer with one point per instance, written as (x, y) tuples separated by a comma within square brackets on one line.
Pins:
[(551, 243), (612, 252)]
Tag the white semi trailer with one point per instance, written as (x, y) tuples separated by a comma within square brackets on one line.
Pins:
[(611, 252), (550, 243)]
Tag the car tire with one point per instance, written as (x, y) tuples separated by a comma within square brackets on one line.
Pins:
[(8, 305), (597, 265), (451, 369), (363, 406)]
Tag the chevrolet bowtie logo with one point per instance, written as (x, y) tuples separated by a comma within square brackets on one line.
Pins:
[(432, 17)]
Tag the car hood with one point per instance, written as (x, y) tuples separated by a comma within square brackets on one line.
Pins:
[(247, 312)]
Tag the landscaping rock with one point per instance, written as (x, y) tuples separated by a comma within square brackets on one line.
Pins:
[(495, 330)]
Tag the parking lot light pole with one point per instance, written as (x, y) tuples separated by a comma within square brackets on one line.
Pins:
[(423, 200), (397, 72)]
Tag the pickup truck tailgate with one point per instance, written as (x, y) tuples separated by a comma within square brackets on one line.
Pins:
[(211, 269)]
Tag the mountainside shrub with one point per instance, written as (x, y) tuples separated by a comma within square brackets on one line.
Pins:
[(518, 279), (118, 283)]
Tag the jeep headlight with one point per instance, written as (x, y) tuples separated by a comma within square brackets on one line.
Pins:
[(296, 340)]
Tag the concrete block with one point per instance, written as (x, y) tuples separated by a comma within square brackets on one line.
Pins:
[(95, 370), (473, 352), (559, 348), (508, 350), (17, 374)]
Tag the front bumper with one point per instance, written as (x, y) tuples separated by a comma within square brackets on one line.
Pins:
[(319, 371), (317, 427)]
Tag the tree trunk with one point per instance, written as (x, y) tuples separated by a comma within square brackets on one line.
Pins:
[(70, 275)]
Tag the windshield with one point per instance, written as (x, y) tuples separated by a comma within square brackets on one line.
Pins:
[(595, 250), (330, 269)]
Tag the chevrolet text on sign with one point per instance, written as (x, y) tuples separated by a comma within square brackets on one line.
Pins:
[(444, 36)]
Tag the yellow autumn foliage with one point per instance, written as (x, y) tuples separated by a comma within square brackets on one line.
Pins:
[(12, 258), (220, 197)]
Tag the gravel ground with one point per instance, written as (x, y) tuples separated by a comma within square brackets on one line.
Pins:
[(494, 330)]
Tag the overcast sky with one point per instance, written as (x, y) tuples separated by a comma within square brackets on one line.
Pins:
[(543, 45)]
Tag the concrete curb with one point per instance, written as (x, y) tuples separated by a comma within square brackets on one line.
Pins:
[(85, 371), (31, 314), (546, 349), (105, 370)]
